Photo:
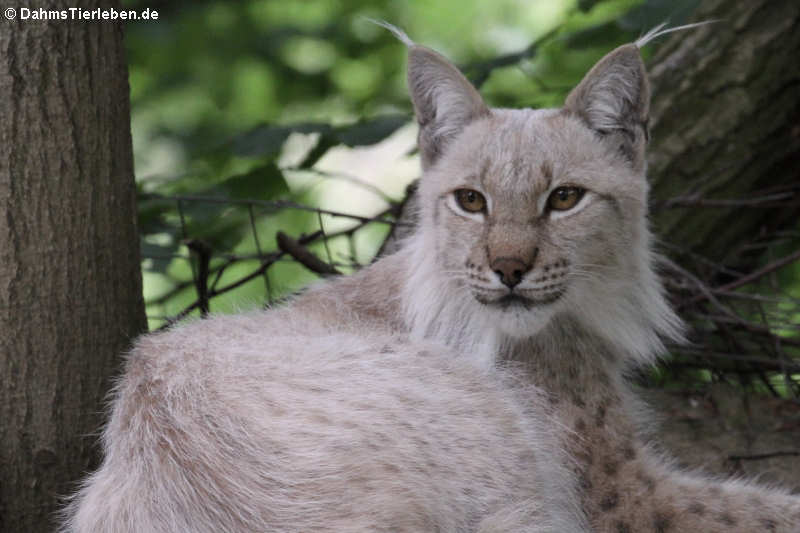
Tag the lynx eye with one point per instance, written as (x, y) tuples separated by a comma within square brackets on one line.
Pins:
[(470, 201), (564, 198)]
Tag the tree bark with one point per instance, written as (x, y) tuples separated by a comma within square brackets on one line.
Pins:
[(70, 281), (724, 119)]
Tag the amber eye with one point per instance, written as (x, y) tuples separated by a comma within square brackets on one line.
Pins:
[(564, 198), (470, 201)]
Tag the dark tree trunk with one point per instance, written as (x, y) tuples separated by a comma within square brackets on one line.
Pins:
[(725, 149), (70, 284)]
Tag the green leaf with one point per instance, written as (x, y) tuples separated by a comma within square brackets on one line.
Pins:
[(154, 214), (372, 131), (587, 5), (605, 35), (267, 140), (160, 256), (265, 182), (325, 143)]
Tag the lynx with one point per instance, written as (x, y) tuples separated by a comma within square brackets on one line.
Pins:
[(471, 381)]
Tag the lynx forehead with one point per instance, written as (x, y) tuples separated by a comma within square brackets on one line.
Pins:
[(527, 153)]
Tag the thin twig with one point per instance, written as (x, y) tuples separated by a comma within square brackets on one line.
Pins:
[(744, 280), (203, 252), (304, 256), (761, 456), (273, 205), (478, 73)]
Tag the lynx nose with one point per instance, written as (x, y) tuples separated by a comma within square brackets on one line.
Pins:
[(510, 270)]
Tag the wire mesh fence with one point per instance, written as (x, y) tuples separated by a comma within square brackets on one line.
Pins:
[(746, 329)]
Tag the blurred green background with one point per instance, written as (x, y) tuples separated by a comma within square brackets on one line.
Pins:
[(239, 106)]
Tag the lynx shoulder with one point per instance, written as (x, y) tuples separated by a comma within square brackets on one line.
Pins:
[(471, 381)]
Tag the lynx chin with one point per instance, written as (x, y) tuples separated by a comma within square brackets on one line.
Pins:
[(470, 381)]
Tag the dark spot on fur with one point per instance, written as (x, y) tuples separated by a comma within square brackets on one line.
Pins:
[(319, 418), (585, 457), (578, 400), (611, 467), (661, 523), (755, 502), (600, 419), (628, 452), (769, 524), (387, 349), (547, 170), (584, 482), (609, 501), (697, 508), (727, 519), (580, 425), (389, 467), (647, 481), (623, 527)]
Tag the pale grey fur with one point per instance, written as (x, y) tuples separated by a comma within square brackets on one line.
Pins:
[(409, 397), (277, 421)]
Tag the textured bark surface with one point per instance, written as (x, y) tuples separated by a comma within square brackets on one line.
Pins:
[(70, 284), (724, 124)]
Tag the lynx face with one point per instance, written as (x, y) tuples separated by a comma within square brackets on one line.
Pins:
[(531, 209), (528, 215)]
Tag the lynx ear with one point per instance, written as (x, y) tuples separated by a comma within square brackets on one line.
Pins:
[(614, 100), (444, 101)]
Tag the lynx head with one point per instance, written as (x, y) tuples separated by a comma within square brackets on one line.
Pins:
[(531, 215)]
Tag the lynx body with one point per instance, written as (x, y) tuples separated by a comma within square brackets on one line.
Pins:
[(471, 381)]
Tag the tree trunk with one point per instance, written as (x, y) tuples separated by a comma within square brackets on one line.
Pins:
[(70, 284), (725, 150)]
